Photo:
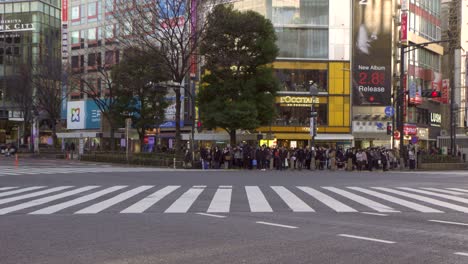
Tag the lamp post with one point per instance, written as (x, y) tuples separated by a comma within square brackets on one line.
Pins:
[(313, 114)]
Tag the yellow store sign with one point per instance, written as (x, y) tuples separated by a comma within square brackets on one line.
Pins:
[(297, 101)]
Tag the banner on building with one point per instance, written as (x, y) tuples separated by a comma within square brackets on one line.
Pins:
[(372, 52), (404, 28), (415, 93), (64, 11)]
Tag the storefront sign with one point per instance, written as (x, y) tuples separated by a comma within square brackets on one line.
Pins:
[(13, 25), (64, 10), (410, 130), (423, 133), (370, 126), (297, 101), (372, 52), (436, 119), (404, 28), (83, 115)]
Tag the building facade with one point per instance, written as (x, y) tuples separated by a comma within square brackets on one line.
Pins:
[(314, 43), (29, 36)]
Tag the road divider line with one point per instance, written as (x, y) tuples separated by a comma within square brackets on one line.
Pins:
[(212, 215), (367, 238), (278, 225), (448, 222), (369, 213), (461, 254)]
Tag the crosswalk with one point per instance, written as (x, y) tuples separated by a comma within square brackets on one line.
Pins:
[(14, 171), (171, 199)]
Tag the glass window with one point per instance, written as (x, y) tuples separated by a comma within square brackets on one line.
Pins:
[(25, 6), (75, 13), (300, 80), (302, 43), (109, 6), (92, 10), (92, 59), (75, 37), (92, 35), (305, 12), (300, 116), (109, 32), (8, 8)]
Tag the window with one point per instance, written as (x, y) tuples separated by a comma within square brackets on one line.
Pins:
[(75, 37), (75, 13), (92, 10), (91, 60), (306, 12), (300, 80), (109, 32), (300, 116), (302, 43), (92, 35), (110, 5), (75, 61)]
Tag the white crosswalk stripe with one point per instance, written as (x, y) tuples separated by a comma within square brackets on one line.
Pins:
[(296, 204), (15, 171), (458, 190), (364, 201), (147, 202), (34, 194), (257, 200), (426, 199), (96, 208), (408, 204), (189, 199), (7, 188), (327, 200), (444, 191), (221, 201), (3, 194), (446, 196), (44, 200), (55, 208), (183, 204)]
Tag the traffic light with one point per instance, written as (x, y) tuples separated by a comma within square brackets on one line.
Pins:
[(199, 126), (389, 129), (431, 94)]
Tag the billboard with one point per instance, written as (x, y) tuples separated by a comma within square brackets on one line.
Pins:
[(83, 115), (372, 52)]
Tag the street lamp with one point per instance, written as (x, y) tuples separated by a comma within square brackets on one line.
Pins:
[(313, 89)]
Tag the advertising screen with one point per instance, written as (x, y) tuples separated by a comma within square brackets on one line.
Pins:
[(372, 52)]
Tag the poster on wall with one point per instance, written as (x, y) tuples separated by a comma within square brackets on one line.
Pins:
[(372, 52)]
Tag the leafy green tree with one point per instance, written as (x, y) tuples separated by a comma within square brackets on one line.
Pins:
[(239, 89), (138, 94)]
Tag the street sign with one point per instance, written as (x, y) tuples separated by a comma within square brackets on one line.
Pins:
[(389, 111), (414, 140)]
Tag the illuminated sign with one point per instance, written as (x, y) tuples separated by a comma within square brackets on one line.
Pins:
[(410, 130), (436, 119), (297, 101)]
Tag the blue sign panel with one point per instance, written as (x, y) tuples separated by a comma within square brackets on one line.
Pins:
[(93, 115), (389, 111)]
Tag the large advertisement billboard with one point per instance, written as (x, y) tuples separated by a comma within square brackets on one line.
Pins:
[(372, 52), (83, 115)]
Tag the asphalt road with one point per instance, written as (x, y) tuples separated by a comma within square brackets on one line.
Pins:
[(99, 213)]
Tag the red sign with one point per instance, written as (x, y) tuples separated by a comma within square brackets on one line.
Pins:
[(405, 101), (396, 134), (404, 28), (445, 91), (64, 10), (410, 130)]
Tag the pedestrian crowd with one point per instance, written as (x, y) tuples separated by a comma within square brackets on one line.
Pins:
[(282, 158)]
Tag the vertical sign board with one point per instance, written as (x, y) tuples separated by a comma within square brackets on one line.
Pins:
[(76, 115), (93, 115), (372, 52)]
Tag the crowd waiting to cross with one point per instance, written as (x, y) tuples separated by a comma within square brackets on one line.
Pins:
[(303, 158)]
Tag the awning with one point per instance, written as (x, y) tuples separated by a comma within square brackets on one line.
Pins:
[(306, 136)]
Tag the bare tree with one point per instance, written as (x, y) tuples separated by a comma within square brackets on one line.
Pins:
[(175, 27)]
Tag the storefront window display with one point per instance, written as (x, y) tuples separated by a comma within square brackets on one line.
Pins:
[(300, 80), (300, 116)]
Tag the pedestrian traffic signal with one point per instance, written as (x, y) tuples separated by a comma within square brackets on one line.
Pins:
[(431, 94), (199, 126), (389, 129)]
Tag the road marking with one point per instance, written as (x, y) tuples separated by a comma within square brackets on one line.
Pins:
[(444, 191), (294, 202), (327, 200), (57, 207), (225, 186), (221, 202), (458, 189), (183, 204), (425, 199), (364, 201), (212, 215), (448, 222), (31, 195), (7, 188), (461, 254), (368, 239), (370, 213), (445, 196), (411, 205), (45, 200), (21, 190), (257, 200), (278, 225), (150, 200), (96, 208)]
